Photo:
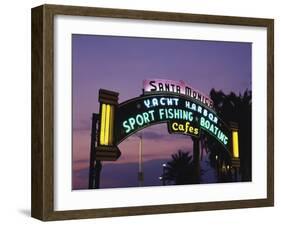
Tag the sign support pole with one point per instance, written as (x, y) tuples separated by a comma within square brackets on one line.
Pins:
[(196, 159), (95, 118), (140, 173), (98, 168)]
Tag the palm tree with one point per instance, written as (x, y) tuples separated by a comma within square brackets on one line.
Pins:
[(237, 109), (180, 169)]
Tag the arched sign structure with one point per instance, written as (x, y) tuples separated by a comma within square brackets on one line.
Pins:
[(182, 108), (182, 114)]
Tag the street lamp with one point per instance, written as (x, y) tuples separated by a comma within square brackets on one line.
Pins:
[(164, 165)]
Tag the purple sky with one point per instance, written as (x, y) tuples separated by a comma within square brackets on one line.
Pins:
[(121, 64)]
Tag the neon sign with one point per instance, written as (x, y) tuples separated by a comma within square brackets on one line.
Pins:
[(184, 110), (182, 114), (179, 87), (106, 135)]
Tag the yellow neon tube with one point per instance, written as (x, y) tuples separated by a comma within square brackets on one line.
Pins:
[(110, 136), (235, 144), (102, 129), (106, 133)]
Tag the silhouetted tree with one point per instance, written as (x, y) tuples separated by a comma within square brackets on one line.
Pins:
[(237, 109), (180, 169)]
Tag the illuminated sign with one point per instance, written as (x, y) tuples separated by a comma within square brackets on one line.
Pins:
[(182, 114), (179, 87), (184, 127), (107, 121), (184, 110), (106, 140), (235, 144)]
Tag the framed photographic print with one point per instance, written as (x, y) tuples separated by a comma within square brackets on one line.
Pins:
[(141, 112)]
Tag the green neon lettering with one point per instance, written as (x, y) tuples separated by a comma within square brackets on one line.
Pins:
[(216, 119), (185, 115), (225, 141), (205, 112), (154, 102), (147, 103), (132, 122), (190, 116), (161, 113), (207, 124), (211, 128), (211, 116), (162, 101), (176, 100), (151, 112), (216, 130), (199, 109), (193, 107), (221, 136), (146, 117), (202, 121), (169, 101), (177, 113), (170, 113), (126, 126), (139, 120)]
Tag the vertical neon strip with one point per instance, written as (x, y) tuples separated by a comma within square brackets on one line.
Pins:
[(111, 121), (102, 129), (235, 144), (106, 134)]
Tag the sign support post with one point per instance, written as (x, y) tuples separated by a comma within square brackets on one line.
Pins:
[(196, 159), (92, 172), (98, 168), (140, 172)]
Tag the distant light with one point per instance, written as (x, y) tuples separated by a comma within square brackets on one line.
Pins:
[(228, 167), (216, 157), (160, 178), (164, 164)]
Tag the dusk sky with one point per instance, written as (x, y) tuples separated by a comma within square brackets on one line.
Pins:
[(121, 64)]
